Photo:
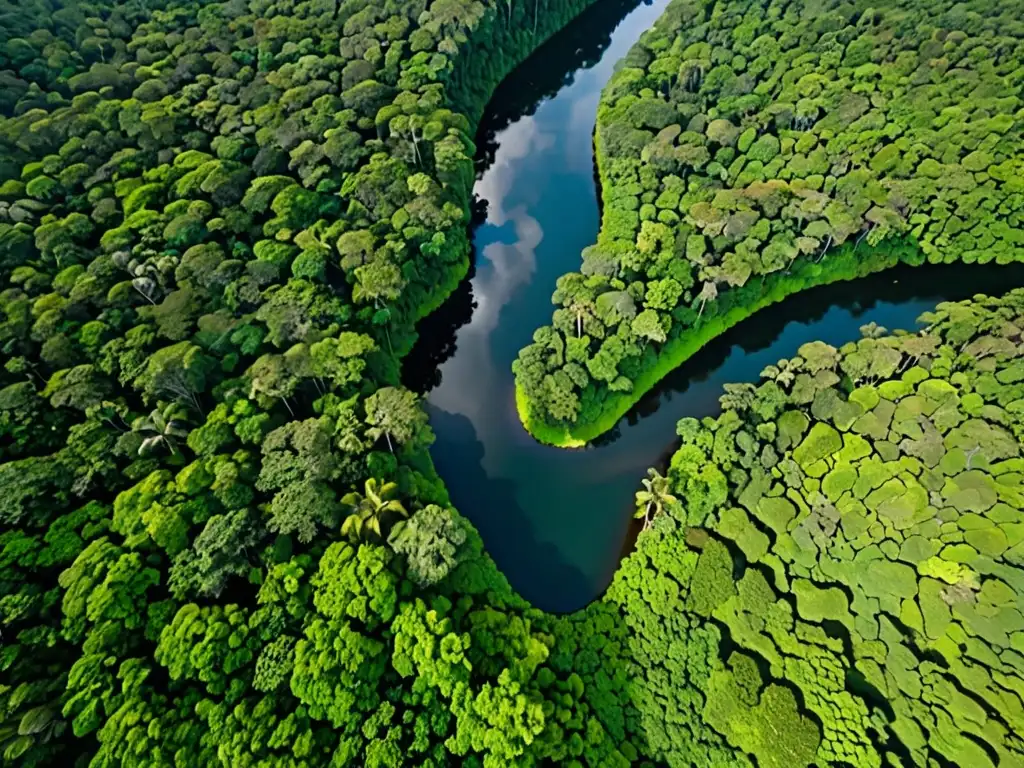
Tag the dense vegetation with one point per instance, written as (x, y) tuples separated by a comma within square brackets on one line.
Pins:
[(222, 541), (218, 224), (747, 151), (832, 571)]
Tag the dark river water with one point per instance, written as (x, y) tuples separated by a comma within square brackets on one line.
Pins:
[(556, 521)]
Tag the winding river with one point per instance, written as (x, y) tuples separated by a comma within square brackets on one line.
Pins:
[(557, 522)]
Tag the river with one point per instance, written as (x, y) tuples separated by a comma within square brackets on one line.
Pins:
[(556, 521)]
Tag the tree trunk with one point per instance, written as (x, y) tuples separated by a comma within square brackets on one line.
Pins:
[(390, 446), (865, 234), (142, 293), (824, 250), (971, 454)]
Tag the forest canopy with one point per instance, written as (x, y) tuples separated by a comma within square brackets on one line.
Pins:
[(834, 563), (747, 151), (222, 540)]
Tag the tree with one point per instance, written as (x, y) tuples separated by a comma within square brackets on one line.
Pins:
[(430, 541), (395, 414), (179, 371), (356, 248), (783, 372), (163, 427), (873, 330), (818, 356), (206, 645), (300, 507), (336, 676), (379, 282), (299, 451), (648, 325), (80, 387), (655, 496), (708, 292), (219, 552), (106, 583), (341, 360), (272, 376), (371, 511)]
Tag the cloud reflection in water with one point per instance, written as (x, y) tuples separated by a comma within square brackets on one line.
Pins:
[(471, 384)]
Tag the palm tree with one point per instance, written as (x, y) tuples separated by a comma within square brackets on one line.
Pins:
[(370, 510), (162, 428), (655, 496)]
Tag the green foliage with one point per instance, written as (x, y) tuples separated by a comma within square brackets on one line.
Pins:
[(430, 541), (745, 158), (220, 223), (853, 564)]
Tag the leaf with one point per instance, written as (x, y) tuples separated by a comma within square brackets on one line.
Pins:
[(35, 720), (18, 747), (150, 444), (396, 530)]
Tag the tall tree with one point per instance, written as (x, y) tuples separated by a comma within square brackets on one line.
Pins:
[(654, 497), (395, 414)]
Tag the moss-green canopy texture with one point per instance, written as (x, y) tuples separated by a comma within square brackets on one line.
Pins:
[(219, 222), (747, 148), (841, 584), (222, 542)]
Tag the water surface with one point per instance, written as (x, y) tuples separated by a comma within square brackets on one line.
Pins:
[(556, 521)]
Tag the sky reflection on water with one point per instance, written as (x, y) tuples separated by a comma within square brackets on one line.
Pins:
[(554, 520)]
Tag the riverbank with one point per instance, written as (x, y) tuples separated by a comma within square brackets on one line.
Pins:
[(846, 263), (470, 89), (701, 194)]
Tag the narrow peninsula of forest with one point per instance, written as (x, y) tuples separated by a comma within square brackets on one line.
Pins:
[(749, 152), (222, 538)]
